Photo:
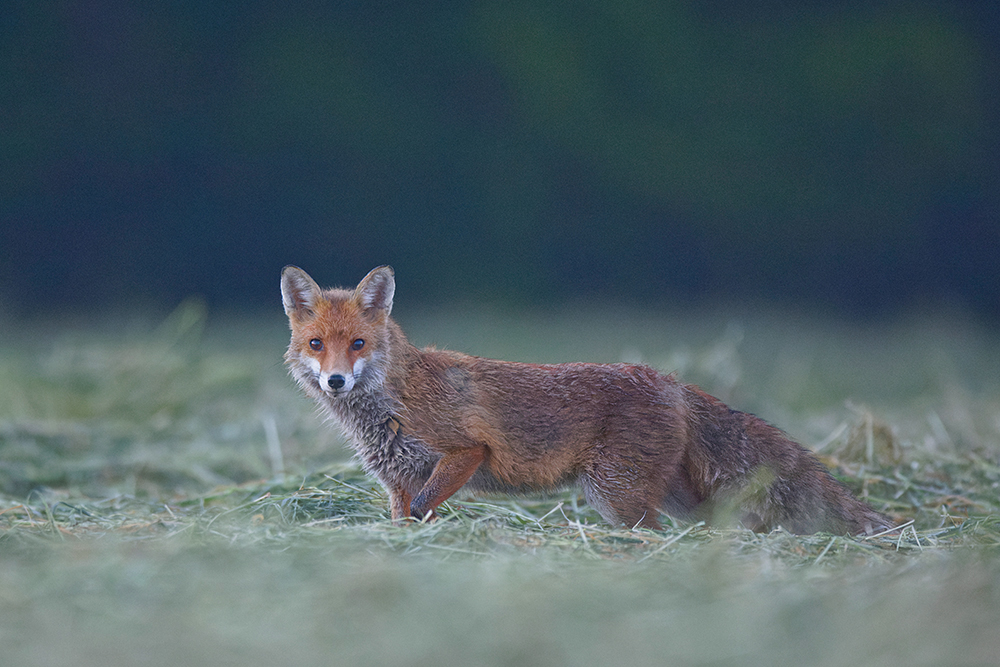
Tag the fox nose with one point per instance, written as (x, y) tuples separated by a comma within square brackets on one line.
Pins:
[(336, 381)]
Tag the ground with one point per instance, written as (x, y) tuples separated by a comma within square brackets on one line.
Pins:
[(168, 497)]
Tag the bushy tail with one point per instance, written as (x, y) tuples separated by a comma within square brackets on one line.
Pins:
[(757, 474), (809, 499)]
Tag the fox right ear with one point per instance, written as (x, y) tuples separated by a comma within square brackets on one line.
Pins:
[(298, 291)]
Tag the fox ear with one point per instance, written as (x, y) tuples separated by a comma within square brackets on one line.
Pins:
[(299, 292), (375, 291)]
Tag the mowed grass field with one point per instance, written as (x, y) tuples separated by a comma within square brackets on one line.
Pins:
[(167, 497)]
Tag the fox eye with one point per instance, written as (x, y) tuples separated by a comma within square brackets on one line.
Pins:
[(358, 344), (316, 344)]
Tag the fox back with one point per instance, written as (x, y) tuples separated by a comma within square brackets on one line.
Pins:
[(428, 422)]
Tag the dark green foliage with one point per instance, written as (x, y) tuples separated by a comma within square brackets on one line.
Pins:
[(839, 153)]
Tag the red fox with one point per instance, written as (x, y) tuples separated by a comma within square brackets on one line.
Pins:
[(429, 422)]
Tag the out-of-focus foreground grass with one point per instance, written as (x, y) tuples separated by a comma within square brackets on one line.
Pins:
[(168, 497)]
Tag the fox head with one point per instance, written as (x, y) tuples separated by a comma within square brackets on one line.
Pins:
[(339, 337)]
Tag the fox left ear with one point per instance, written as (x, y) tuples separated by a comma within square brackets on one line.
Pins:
[(298, 291), (375, 291)]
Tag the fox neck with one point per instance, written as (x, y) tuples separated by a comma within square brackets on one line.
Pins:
[(364, 412)]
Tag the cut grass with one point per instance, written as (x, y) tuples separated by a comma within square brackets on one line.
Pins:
[(346, 504), (167, 497)]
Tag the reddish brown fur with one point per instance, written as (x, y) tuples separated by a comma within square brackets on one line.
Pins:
[(427, 423)]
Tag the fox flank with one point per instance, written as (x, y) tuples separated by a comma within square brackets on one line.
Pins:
[(428, 422)]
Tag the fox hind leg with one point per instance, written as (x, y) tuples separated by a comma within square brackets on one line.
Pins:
[(620, 502)]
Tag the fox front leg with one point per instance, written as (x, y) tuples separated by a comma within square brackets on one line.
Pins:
[(449, 475), (399, 503)]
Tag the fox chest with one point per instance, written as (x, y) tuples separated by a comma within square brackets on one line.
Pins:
[(397, 458), (386, 451)]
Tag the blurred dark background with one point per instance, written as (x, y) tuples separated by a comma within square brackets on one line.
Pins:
[(837, 155)]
